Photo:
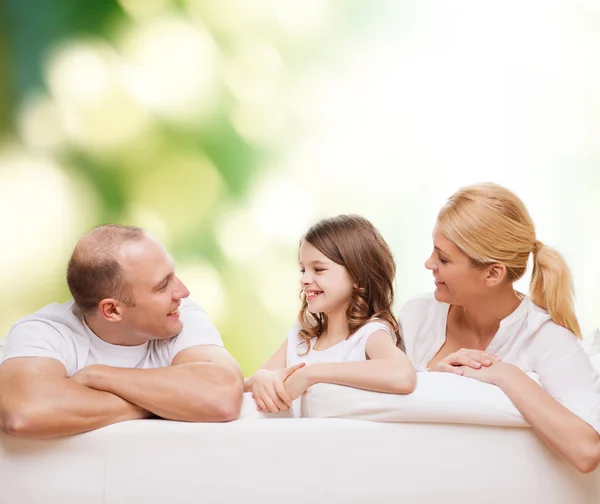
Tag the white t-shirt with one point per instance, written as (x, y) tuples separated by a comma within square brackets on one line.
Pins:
[(58, 331), (351, 349), (527, 338)]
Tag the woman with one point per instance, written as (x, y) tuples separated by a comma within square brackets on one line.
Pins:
[(476, 325)]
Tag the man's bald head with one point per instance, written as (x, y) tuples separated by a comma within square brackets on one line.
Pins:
[(94, 272)]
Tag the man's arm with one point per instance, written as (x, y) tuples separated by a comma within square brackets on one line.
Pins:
[(203, 384), (37, 400)]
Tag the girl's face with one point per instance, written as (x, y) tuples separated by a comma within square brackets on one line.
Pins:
[(457, 281), (327, 285)]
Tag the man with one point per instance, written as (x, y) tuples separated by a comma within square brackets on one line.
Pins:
[(130, 345)]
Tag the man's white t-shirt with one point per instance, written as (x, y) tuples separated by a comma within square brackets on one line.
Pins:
[(352, 349), (58, 331), (527, 338)]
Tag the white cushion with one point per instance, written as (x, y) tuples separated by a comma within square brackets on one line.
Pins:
[(439, 397)]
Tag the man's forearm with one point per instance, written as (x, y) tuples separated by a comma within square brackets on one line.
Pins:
[(61, 410), (196, 391)]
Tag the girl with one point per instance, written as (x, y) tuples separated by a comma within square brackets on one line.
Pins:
[(346, 330), (477, 325)]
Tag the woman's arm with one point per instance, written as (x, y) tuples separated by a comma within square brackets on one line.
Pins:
[(563, 431), (387, 369)]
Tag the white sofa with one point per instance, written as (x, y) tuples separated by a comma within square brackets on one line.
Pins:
[(454, 440)]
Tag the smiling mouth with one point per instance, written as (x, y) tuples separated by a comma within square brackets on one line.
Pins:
[(174, 312), (313, 294)]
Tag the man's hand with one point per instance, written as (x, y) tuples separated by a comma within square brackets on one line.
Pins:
[(88, 375)]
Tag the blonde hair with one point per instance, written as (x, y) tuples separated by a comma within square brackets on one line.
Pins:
[(353, 242), (490, 224)]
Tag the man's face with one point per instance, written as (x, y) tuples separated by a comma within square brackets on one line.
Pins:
[(156, 290)]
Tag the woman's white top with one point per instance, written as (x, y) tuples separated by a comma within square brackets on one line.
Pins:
[(351, 349), (527, 338)]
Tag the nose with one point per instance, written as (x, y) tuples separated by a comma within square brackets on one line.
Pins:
[(430, 264), (305, 279), (180, 291)]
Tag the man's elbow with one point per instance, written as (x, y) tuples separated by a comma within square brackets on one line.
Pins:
[(18, 423), (588, 459), (226, 402), (229, 406)]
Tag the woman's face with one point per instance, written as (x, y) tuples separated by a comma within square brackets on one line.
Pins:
[(457, 281)]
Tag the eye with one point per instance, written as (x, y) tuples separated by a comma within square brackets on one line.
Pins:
[(163, 288), (302, 270), (319, 270)]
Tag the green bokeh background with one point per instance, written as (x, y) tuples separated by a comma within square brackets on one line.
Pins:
[(226, 128)]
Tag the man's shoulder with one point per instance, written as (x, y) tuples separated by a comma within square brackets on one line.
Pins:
[(55, 315)]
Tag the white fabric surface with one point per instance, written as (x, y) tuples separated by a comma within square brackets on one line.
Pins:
[(527, 338), (291, 461), (59, 332), (439, 397)]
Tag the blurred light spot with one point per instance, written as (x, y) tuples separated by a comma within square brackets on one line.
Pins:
[(259, 124), (282, 209), (39, 125), (279, 292), (254, 72), (177, 61), (231, 16), (302, 20), (205, 286), (147, 218), (240, 238), (145, 8), (180, 188), (43, 217), (95, 105)]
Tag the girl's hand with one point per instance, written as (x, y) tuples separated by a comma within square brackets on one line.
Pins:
[(297, 383), (268, 390), (475, 359)]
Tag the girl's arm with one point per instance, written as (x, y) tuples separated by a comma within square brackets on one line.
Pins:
[(387, 369), (275, 362), (266, 384)]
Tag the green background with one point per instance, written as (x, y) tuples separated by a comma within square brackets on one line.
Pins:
[(227, 128)]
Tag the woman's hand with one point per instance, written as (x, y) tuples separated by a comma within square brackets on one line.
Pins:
[(475, 359), (268, 390), (488, 374)]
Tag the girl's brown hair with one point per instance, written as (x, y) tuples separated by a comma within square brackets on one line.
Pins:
[(490, 224), (353, 242)]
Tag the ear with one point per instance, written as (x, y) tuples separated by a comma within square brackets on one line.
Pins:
[(496, 273), (110, 309)]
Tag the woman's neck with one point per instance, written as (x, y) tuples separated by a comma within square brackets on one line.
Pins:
[(482, 317)]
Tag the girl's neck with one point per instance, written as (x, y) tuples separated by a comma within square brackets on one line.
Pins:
[(337, 326)]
